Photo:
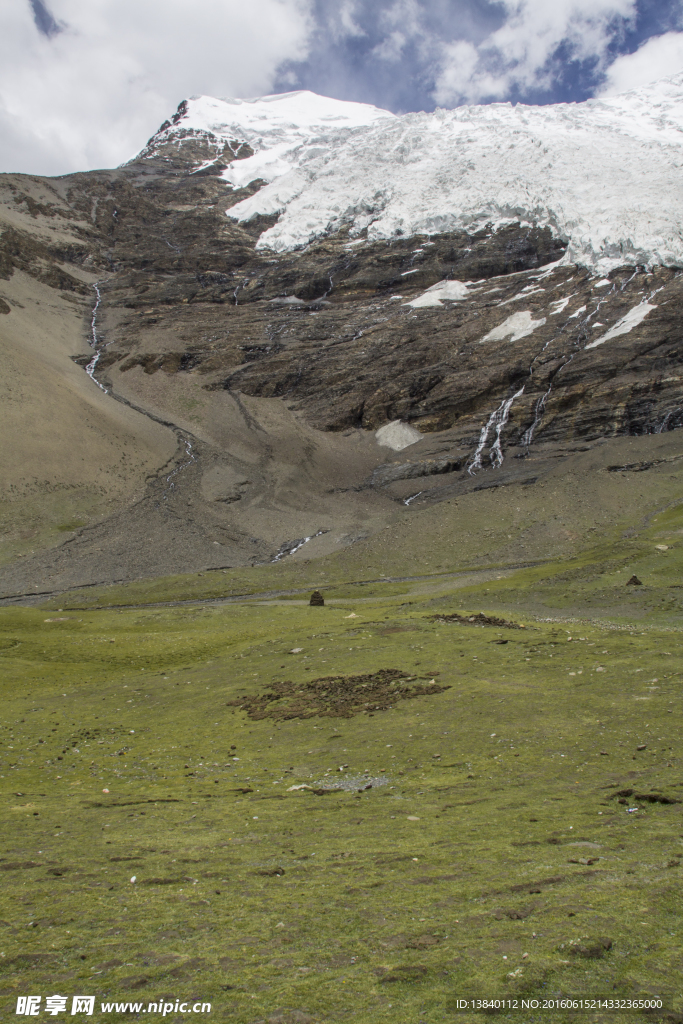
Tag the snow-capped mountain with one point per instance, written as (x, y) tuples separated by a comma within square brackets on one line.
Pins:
[(307, 295), (282, 130), (604, 175)]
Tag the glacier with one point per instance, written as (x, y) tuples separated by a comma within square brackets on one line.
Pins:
[(604, 175)]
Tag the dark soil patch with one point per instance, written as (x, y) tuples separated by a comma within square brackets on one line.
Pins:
[(476, 620), (591, 949), (422, 942), (533, 887), (397, 629), (412, 972), (335, 696), (650, 798), (131, 803), (130, 984), (513, 914), (177, 880)]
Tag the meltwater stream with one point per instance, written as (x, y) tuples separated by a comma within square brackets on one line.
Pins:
[(93, 342), (292, 546), (99, 348), (189, 451), (539, 409), (496, 422)]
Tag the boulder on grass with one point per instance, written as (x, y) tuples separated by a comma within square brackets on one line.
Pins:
[(317, 599)]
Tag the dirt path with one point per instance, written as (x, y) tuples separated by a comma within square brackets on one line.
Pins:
[(464, 576)]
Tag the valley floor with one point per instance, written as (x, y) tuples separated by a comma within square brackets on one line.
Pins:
[(374, 809)]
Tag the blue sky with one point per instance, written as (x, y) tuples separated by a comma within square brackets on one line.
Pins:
[(84, 83), (390, 52)]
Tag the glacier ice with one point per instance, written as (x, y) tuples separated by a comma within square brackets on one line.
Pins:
[(281, 129), (604, 175)]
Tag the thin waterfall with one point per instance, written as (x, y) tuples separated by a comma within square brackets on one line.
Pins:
[(90, 368), (496, 422)]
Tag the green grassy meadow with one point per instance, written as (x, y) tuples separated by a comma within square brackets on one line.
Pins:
[(515, 833)]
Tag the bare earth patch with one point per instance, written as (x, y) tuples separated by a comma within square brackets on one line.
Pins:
[(336, 696), (477, 620)]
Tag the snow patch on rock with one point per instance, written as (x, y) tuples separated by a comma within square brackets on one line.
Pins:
[(450, 291), (560, 305), (517, 326), (634, 317), (397, 435)]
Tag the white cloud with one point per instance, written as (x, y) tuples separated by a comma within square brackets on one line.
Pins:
[(347, 19), (520, 52), (93, 94), (458, 66), (403, 23), (391, 47), (659, 57)]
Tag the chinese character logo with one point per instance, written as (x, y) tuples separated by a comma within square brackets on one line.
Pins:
[(83, 1004), (28, 1006), (55, 1005)]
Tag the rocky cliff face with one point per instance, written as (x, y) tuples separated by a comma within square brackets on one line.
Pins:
[(276, 370)]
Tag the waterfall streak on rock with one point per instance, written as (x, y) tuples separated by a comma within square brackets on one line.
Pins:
[(93, 319), (538, 416), (496, 422), (90, 368), (496, 451), (292, 547), (664, 424)]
